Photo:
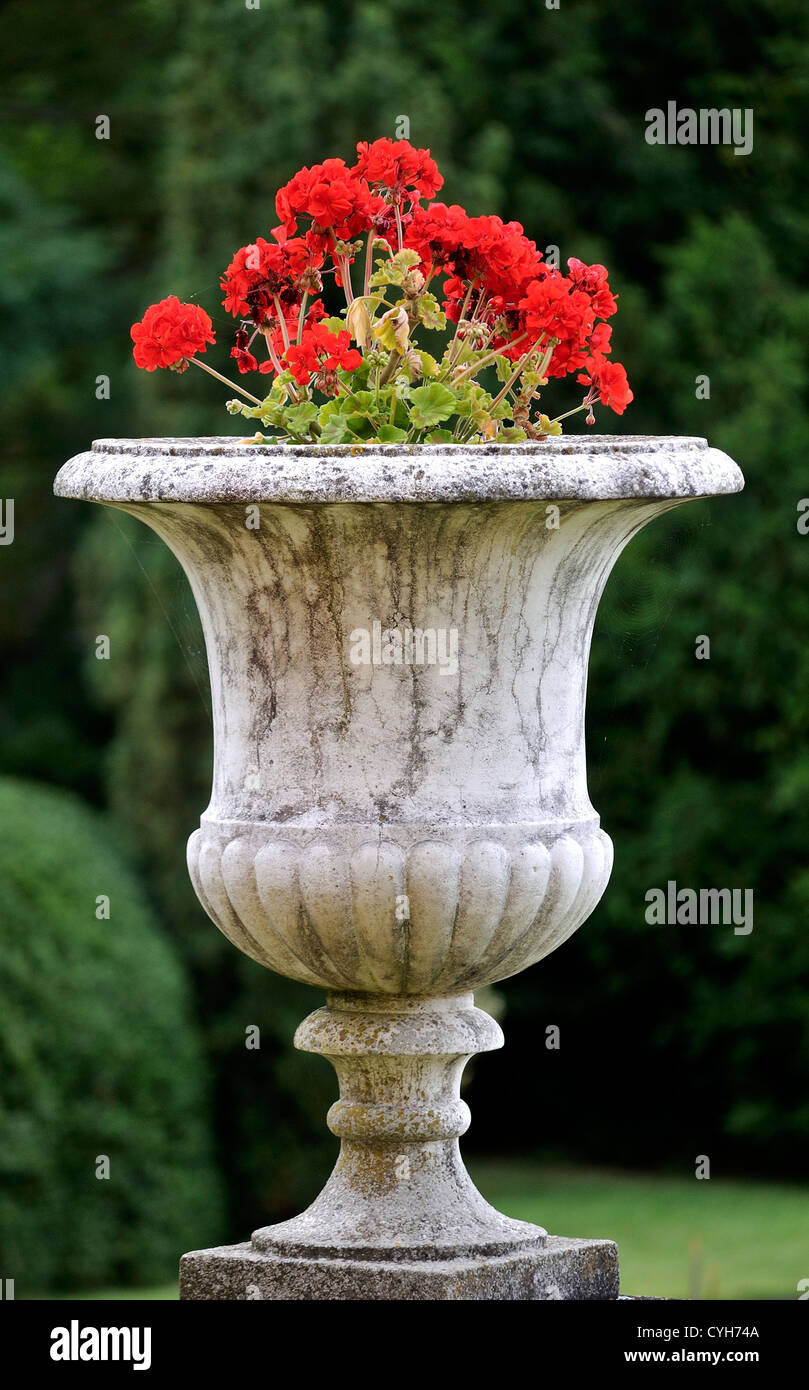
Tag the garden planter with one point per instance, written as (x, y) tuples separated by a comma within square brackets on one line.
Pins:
[(398, 643)]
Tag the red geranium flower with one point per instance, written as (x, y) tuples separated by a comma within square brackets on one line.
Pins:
[(245, 360), (336, 198), (609, 380), (593, 280), (399, 167), (264, 269), (438, 233), (170, 333), (565, 308), (494, 257), (321, 351)]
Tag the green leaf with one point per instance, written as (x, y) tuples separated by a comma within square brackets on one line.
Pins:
[(430, 311), (439, 437), (429, 404), (429, 366), (394, 271), (298, 418), (334, 430), (471, 398), (360, 402), (389, 434)]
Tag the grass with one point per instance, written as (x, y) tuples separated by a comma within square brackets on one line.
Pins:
[(164, 1292), (677, 1237)]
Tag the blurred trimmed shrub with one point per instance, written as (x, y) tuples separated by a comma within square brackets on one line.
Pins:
[(99, 1057)]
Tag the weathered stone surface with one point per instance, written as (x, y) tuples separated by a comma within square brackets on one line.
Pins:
[(561, 1269), (585, 468), (399, 1189), (484, 901), (399, 830), (339, 787)]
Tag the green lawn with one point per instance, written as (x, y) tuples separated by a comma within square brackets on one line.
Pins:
[(166, 1291), (677, 1237)]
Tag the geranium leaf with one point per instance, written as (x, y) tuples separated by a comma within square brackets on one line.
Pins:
[(430, 404)]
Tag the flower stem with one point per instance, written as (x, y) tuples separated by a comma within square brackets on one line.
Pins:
[(345, 274), (559, 418), (481, 304), (369, 263), (475, 367), (521, 366), (281, 319), (302, 316), (227, 382), (278, 365), (390, 367), (456, 341)]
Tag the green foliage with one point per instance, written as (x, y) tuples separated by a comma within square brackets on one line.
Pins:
[(431, 404), (378, 398), (98, 1057)]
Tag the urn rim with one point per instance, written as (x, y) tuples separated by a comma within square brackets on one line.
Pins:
[(225, 469)]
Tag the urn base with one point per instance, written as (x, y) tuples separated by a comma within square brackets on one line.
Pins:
[(561, 1268)]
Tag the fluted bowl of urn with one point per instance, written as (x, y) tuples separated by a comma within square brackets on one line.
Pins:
[(398, 641)]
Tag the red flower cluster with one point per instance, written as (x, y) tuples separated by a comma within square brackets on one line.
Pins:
[(336, 198), (492, 255), (512, 302), (396, 166), (438, 233), (592, 279), (607, 380), (493, 258), (321, 351), (565, 308), (260, 272), (169, 333)]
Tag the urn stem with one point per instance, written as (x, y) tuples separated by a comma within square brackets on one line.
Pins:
[(399, 1189)]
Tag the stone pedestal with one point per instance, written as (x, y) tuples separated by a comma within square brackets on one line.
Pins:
[(400, 1216), (557, 1269)]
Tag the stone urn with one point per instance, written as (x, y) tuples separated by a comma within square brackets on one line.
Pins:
[(398, 642)]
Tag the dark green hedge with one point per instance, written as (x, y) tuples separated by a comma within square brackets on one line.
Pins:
[(98, 1056)]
